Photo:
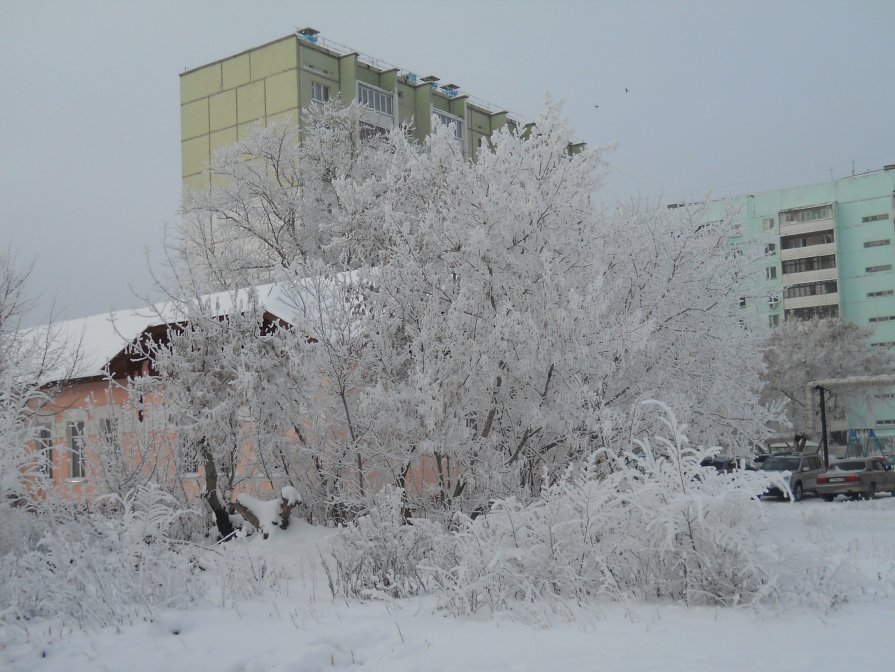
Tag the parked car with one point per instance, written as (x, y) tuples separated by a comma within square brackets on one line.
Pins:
[(726, 464), (804, 470), (857, 477)]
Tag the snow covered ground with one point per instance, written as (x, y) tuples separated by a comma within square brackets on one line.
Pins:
[(298, 627)]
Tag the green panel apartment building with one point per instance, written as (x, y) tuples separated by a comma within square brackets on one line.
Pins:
[(220, 101), (828, 251)]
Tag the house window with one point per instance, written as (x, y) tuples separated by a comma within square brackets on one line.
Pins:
[(189, 460), (76, 442), (108, 431), (884, 344), (376, 99), (877, 269), (742, 302), (319, 92), (882, 292), (769, 223), (770, 248), (45, 450), (771, 272), (792, 242), (773, 300), (875, 218), (883, 318), (773, 320), (876, 243)]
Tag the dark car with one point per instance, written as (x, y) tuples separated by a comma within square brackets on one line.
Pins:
[(726, 464), (857, 477), (803, 468)]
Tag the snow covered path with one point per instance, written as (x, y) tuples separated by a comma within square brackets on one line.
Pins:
[(305, 630)]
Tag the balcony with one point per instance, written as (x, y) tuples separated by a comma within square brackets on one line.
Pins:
[(831, 299), (811, 276), (808, 251)]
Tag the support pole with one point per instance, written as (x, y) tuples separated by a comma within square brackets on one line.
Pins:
[(823, 426)]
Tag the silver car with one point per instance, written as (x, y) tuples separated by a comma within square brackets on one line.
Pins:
[(804, 469), (857, 477)]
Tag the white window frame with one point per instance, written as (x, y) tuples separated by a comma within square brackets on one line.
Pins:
[(376, 99), (447, 119), (76, 451), (319, 92)]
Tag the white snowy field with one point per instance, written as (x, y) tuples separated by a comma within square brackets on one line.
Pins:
[(298, 626)]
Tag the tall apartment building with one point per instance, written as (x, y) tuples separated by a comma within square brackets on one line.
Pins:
[(221, 101), (828, 252)]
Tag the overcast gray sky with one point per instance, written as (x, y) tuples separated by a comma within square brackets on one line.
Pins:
[(723, 98)]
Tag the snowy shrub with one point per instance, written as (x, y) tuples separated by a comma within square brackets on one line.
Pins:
[(651, 524), (379, 555), (98, 569)]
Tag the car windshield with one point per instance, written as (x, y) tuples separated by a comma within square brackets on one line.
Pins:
[(849, 465), (781, 464)]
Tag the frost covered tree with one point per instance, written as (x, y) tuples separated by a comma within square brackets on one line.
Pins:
[(799, 351), (492, 325), (28, 359)]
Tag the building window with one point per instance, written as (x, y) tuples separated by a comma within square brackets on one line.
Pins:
[(108, 432), (448, 119), (773, 300), (809, 214), (882, 292), (792, 242), (809, 264), (773, 320), (876, 243), (877, 269), (812, 311), (769, 223), (376, 99), (884, 344), (883, 318), (742, 302), (770, 248), (771, 273), (319, 92), (45, 450), (812, 289), (76, 442), (369, 131), (886, 422), (875, 218)]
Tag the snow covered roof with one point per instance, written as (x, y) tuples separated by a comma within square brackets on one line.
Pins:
[(99, 338)]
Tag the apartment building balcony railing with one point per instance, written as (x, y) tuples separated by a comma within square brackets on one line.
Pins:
[(822, 250)]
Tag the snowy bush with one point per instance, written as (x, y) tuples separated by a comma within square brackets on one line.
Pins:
[(97, 569), (651, 523), (380, 556), (658, 525)]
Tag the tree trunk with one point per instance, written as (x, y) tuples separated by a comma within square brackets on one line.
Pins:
[(221, 517)]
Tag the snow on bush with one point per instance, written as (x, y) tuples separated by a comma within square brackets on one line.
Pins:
[(658, 525), (98, 569), (380, 555)]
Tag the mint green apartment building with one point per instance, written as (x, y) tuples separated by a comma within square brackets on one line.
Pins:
[(828, 251)]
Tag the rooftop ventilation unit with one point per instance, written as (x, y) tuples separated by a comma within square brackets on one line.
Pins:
[(309, 34), (432, 80), (450, 90)]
